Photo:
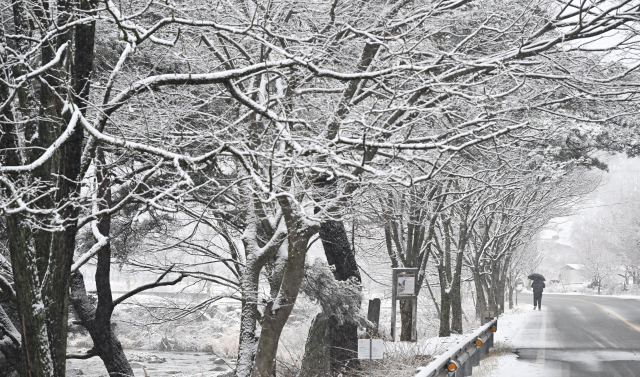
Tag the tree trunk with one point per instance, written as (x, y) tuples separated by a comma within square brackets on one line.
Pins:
[(339, 253), (456, 307), (98, 320), (35, 355), (277, 312), (255, 239), (445, 304), (41, 269), (490, 290), (481, 302), (511, 287), (499, 296), (456, 296), (456, 285), (105, 343), (406, 318), (248, 318), (445, 311)]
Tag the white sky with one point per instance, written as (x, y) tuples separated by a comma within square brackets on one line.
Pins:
[(622, 179)]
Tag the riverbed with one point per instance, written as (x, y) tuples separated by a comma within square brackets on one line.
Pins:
[(177, 364)]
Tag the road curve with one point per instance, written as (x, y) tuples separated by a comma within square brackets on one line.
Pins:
[(579, 335)]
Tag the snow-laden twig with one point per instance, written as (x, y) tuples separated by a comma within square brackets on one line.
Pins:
[(101, 239), (157, 283), (49, 152), (6, 287), (21, 80), (147, 148), (84, 258)]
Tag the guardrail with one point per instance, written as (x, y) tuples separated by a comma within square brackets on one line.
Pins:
[(467, 353)]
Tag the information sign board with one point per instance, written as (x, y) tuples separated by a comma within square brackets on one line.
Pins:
[(406, 284), (373, 348)]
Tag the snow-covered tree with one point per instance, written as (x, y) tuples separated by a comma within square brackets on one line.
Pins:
[(306, 103)]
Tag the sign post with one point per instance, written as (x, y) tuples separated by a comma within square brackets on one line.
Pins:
[(405, 287), (370, 349), (519, 288)]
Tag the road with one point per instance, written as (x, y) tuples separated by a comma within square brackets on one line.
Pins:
[(579, 335)]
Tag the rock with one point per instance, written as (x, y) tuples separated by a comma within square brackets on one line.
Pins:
[(218, 369), (147, 358), (135, 364), (219, 361), (75, 372), (315, 362)]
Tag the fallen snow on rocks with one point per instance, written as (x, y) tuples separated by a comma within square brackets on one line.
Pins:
[(147, 358)]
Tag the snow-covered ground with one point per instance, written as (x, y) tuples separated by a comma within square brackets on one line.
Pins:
[(501, 360)]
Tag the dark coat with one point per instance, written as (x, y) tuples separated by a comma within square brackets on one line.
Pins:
[(538, 286)]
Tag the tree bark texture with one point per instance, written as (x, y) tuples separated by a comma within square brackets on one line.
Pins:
[(406, 318), (257, 235), (249, 316), (481, 302), (456, 284), (41, 262), (9, 341), (510, 285), (277, 312), (445, 312), (98, 322), (339, 253)]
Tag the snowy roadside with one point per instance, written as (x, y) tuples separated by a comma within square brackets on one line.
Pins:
[(429, 346), (501, 359)]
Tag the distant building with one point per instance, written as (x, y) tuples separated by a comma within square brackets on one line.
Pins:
[(572, 274)]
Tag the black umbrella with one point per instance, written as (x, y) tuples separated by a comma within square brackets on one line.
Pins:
[(536, 276)]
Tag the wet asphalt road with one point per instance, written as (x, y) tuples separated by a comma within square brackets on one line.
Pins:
[(580, 335)]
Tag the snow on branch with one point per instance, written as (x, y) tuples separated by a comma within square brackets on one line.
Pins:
[(49, 152), (6, 287), (149, 149), (21, 80), (84, 258), (152, 82), (445, 145), (157, 283), (102, 240)]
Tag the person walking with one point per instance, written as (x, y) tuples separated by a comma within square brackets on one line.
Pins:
[(538, 286)]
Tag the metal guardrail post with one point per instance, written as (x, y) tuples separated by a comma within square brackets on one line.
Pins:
[(467, 368)]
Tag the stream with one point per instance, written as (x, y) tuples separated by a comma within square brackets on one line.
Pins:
[(177, 364)]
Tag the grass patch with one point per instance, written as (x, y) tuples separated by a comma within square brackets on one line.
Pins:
[(490, 362)]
